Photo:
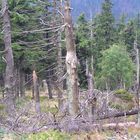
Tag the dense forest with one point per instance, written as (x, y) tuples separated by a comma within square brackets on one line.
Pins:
[(65, 79)]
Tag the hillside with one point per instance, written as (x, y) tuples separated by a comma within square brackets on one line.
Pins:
[(129, 7)]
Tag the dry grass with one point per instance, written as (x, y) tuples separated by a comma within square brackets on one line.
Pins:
[(47, 105)]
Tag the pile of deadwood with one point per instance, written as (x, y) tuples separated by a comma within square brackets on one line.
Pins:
[(24, 120)]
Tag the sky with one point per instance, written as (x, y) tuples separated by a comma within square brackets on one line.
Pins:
[(129, 7)]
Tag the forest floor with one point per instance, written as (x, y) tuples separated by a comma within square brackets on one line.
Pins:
[(130, 133), (126, 132)]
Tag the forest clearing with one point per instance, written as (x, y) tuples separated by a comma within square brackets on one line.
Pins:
[(68, 79)]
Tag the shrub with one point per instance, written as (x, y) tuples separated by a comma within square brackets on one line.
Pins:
[(53, 135), (116, 106), (124, 95)]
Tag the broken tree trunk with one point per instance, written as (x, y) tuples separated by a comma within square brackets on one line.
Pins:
[(9, 72), (36, 92), (71, 63)]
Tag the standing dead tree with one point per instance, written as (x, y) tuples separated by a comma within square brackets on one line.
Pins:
[(138, 76), (71, 62), (9, 72), (36, 92)]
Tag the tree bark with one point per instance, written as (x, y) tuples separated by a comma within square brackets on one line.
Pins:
[(60, 96), (36, 92), (49, 89), (71, 63), (60, 75), (119, 114), (138, 81), (9, 72), (22, 83), (17, 83), (59, 57), (91, 95), (45, 87)]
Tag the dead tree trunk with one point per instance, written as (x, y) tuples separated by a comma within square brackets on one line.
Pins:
[(60, 74), (71, 63), (90, 80), (60, 96), (138, 81), (22, 83), (119, 114), (36, 92), (49, 89), (9, 73), (45, 87), (33, 95), (59, 56), (91, 95), (16, 75)]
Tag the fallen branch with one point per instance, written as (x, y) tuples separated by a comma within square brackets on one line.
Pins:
[(119, 114)]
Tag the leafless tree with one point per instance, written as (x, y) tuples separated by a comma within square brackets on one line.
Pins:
[(71, 62), (9, 72)]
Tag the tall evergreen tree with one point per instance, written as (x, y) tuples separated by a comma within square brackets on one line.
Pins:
[(120, 29), (128, 35), (83, 46), (103, 32), (105, 27)]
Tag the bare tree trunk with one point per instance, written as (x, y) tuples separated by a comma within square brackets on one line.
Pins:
[(119, 114), (59, 85), (71, 63), (91, 95), (60, 103), (138, 81), (17, 83), (60, 75), (45, 87), (9, 73), (60, 96), (22, 83), (89, 74), (36, 92), (33, 94), (49, 89), (89, 79)]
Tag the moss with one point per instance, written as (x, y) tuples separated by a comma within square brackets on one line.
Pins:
[(49, 109), (2, 107), (124, 95), (43, 98), (116, 106)]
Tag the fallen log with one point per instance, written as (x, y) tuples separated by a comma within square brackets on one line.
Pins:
[(119, 114)]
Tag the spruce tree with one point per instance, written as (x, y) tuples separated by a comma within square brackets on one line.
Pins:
[(128, 35), (103, 32), (105, 26), (83, 46)]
